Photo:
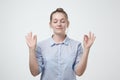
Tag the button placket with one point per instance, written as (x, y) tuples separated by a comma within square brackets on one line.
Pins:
[(59, 62)]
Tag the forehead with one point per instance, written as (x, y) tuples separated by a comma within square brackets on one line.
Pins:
[(58, 15)]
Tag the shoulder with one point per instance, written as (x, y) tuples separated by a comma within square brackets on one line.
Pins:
[(76, 42), (43, 42)]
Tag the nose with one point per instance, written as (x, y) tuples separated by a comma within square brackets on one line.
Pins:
[(59, 23)]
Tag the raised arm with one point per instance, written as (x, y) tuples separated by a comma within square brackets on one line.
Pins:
[(88, 41), (31, 41)]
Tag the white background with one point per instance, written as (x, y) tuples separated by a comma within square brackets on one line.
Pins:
[(18, 17)]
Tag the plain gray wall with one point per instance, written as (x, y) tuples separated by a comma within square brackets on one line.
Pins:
[(18, 17)]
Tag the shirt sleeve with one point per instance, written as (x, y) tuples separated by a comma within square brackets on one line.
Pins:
[(39, 59), (78, 55)]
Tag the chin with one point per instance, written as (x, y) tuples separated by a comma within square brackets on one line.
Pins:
[(59, 32)]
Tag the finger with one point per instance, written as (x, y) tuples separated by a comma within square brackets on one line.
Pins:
[(27, 43), (30, 35), (27, 40), (85, 37), (90, 35), (94, 38), (35, 37), (26, 37)]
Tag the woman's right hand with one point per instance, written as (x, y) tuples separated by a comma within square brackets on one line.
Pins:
[(31, 41)]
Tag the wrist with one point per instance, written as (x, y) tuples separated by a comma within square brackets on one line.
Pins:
[(32, 49), (86, 50)]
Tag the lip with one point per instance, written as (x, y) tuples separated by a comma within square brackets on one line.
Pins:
[(59, 28)]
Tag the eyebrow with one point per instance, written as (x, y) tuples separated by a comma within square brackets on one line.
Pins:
[(60, 19)]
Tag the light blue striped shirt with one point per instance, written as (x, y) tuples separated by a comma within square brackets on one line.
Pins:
[(58, 61)]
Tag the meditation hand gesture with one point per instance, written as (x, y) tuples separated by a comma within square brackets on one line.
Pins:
[(88, 40), (31, 40)]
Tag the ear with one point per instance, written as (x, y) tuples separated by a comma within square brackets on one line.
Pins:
[(68, 24), (50, 24)]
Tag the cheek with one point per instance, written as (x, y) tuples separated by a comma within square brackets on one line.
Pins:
[(52, 25), (65, 26)]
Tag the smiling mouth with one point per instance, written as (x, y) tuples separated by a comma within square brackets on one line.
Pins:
[(59, 28)]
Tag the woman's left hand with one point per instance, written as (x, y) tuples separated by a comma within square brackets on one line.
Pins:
[(88, 40)]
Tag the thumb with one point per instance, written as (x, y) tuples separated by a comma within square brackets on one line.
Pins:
[(85, 38), (35, 37)]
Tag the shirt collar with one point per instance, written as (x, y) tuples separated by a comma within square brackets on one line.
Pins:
[(66, 41)]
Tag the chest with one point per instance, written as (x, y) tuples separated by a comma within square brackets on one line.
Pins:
[(59, 53)]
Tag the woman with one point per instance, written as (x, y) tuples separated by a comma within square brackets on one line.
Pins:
[(58, 57)]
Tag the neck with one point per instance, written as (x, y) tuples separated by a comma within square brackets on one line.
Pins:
[(58, 38)]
